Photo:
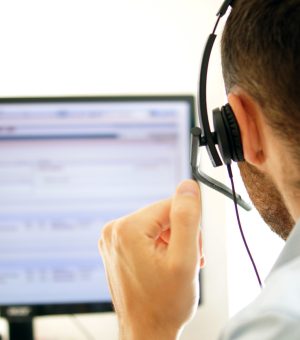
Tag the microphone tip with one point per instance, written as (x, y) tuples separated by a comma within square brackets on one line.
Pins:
[(196, 131)]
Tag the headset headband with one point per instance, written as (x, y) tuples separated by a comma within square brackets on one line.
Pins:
[(208, 137), (203, 136)]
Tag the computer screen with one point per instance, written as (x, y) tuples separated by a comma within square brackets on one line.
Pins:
[(68, 166)]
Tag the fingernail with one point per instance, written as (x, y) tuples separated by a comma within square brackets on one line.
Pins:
[(188, 187)]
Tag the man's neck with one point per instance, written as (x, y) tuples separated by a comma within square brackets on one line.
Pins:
[(291, 195)]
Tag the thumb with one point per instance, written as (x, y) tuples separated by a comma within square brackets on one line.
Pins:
[(185, 219)]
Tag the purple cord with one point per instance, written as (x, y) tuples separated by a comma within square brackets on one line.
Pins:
[(240, 225)]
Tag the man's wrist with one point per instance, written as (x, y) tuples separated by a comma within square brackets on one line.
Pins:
[(137, 331)]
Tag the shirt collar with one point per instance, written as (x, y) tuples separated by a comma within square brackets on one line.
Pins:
[(291, 249)]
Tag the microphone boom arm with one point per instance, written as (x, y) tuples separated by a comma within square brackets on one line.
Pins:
[(205, 179)]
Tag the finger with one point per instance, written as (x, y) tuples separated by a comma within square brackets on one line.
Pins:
[(105, 261), (151, 220), (185, 219), (106, 235)]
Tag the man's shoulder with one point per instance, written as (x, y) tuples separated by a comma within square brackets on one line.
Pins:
[(282, 290), (275, 314)]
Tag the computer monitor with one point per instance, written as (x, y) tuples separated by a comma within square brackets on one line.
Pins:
[(67, 166)]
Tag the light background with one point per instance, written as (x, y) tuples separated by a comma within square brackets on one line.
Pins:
[(85, 47)]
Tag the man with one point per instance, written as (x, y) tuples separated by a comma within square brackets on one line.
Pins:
[(153, 255)]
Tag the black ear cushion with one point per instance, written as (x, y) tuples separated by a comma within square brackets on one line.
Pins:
[(234, 134), (222, 136)]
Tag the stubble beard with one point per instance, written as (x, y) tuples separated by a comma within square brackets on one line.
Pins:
[(267, 200)]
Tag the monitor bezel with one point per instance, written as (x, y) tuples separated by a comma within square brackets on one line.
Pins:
[(45, 308)]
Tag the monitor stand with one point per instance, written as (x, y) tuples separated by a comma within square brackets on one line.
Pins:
[(20, 329)]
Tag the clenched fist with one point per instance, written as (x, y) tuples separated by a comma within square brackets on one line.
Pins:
[(152, 262)]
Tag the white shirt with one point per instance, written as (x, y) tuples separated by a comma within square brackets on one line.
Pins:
[(275, 314)]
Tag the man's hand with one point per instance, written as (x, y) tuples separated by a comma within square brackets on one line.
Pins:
[(152, 261)]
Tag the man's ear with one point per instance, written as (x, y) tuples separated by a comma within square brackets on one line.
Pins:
[(248, 116)]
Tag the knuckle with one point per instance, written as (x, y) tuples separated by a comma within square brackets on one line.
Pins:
[(101, 249), (106, 233), (115, 234), (100, 244), (120, 233)]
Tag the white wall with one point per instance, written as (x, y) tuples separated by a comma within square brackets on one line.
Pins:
[(115, 46), (61, 47)]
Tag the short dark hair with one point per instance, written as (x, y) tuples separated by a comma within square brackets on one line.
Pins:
[(261, 54)]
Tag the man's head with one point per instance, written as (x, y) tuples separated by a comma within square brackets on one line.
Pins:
[(261, 54), (261, 69)]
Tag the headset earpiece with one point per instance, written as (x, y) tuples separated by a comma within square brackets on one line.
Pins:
[(228, 135), (226, 132), (221, 136), (234, 133)]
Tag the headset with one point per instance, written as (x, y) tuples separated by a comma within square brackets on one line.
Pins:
[(226, 135)]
